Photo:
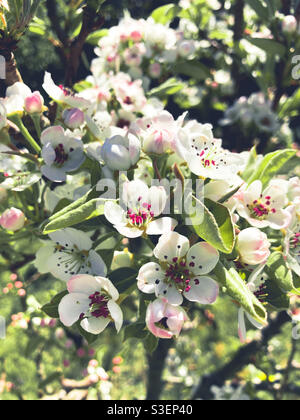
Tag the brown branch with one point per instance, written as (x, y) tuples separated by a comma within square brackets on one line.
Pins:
[(156, 363), (242, 358), (90, 23)]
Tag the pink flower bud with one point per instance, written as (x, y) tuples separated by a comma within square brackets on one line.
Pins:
[(12, 219), (73, 118), (155, 70), (165, 320), (34, 104), (136, 36), (289, 24), (253, 246), (186, 48)]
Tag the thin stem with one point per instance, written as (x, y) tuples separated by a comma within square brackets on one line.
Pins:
[(16, 119)]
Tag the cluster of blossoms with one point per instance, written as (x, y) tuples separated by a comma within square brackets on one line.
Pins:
[(255, 110), (250, 211), (143, 48)]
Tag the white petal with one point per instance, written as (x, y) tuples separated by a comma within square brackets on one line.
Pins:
[(161, 226), (279, 220), (202, 258), (129, 232), (116, 314), (83, 283), (97, 264), (48, 154), (54, 134), (71, 307), (170, 293), (42, 258), (114, 213), (94, 325), (149, 275), (171, 245), (253, 192), (107, 285), (135, 192), (54, 174), (242, 326), (158, 199), (203, 290)]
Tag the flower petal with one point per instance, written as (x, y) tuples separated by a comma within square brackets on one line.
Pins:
[(98, 266), (71, 307), (161, 226), (171, 245), (203, 290), (149, 275), (94, 325), (83, 283), (114, 213), (170, 293), (202, 258), (116, 314)]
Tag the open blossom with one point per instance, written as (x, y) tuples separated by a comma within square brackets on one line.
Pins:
[(69, 253), (158, 134), (165, 320), (93, 301), (181, 271), (61, 152), (12, 219), (143, 205), (264, 208), (204, 154), (121, 153), (63, 95), (289, 24), (253, 246), (292, 239)]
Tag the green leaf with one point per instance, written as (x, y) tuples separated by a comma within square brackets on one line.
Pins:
[(251, 165), (170, 87), (136, 330), (237, 289), (268, 45), (51, 309), (124, 279), (87, 211), (281, 274), (150, 343), (95, 37), (195, 70), (271, 165), (291, 105), (215, 226), (260, 9), (165, 14), (276, 300)]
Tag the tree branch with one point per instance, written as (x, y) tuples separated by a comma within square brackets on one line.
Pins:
[(242, 358)]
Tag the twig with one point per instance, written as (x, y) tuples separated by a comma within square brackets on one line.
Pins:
[(242, 358)]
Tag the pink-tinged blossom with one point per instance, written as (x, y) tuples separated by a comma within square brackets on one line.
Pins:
[(93, 302), (144, 206), (12, 219), (182, 271), (62, 153), (253, 246), (165, 320), (120, 153), (264, 208), (34, 104)]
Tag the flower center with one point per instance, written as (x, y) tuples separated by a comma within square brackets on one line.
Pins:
[(260, 209), (60, 155), (98, 305), (179, 274), (66, 91), (141, 216), (71, 260), (209, 156), (295, 244)]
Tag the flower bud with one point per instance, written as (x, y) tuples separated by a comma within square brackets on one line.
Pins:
[(186, 48), (73, 118), (253, 246), (289, 24), (155, 70), (165, 320), (34, 103), (12, 219), (121, 153)]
